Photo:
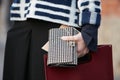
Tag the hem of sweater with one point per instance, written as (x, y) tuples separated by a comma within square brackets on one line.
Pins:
[(44, 19)]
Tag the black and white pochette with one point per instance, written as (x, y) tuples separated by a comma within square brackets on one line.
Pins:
[(62, 53)]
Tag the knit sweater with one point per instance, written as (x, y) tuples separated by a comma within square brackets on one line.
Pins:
[(69, 12)]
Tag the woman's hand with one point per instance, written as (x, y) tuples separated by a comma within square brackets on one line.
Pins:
[(81, 46)]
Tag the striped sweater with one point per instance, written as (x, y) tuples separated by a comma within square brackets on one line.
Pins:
[(69, 12)]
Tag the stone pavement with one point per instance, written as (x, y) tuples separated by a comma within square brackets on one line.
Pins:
[(2, 38), (2, 47), (1, 59)]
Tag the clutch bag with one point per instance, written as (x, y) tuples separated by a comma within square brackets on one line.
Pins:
[(62, 53)]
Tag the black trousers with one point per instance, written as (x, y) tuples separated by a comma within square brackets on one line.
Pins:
[(23, 53)]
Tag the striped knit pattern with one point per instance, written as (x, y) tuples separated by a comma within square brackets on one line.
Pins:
[(69, 12)]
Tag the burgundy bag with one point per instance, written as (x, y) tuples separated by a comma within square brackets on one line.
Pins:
[(94, 66)]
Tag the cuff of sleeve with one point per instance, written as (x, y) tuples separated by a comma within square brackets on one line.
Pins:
[(89, 18), (89, 34)]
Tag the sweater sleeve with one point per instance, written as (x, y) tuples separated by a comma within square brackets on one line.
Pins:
[(89, 19), (90, 35), (89, 12)]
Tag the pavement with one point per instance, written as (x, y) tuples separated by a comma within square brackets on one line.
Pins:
[(2, 37), (2, 47)]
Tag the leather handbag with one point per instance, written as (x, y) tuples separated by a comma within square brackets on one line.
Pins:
[(94, 66)]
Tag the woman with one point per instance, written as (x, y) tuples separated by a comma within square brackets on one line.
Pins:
[(32, 20)]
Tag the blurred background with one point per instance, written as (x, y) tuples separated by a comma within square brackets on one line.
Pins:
[(109, 31)]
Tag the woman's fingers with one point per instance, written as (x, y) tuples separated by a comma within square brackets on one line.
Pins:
[(68, 38), (81, 46), (72, 38), (83, 52)]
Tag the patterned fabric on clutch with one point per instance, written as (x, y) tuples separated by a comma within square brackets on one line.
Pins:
[(62, 53)]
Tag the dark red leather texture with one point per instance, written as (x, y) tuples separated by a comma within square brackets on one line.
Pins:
[(98, 67)]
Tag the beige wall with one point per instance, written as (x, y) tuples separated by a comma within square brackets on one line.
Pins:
[(109, 33)]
